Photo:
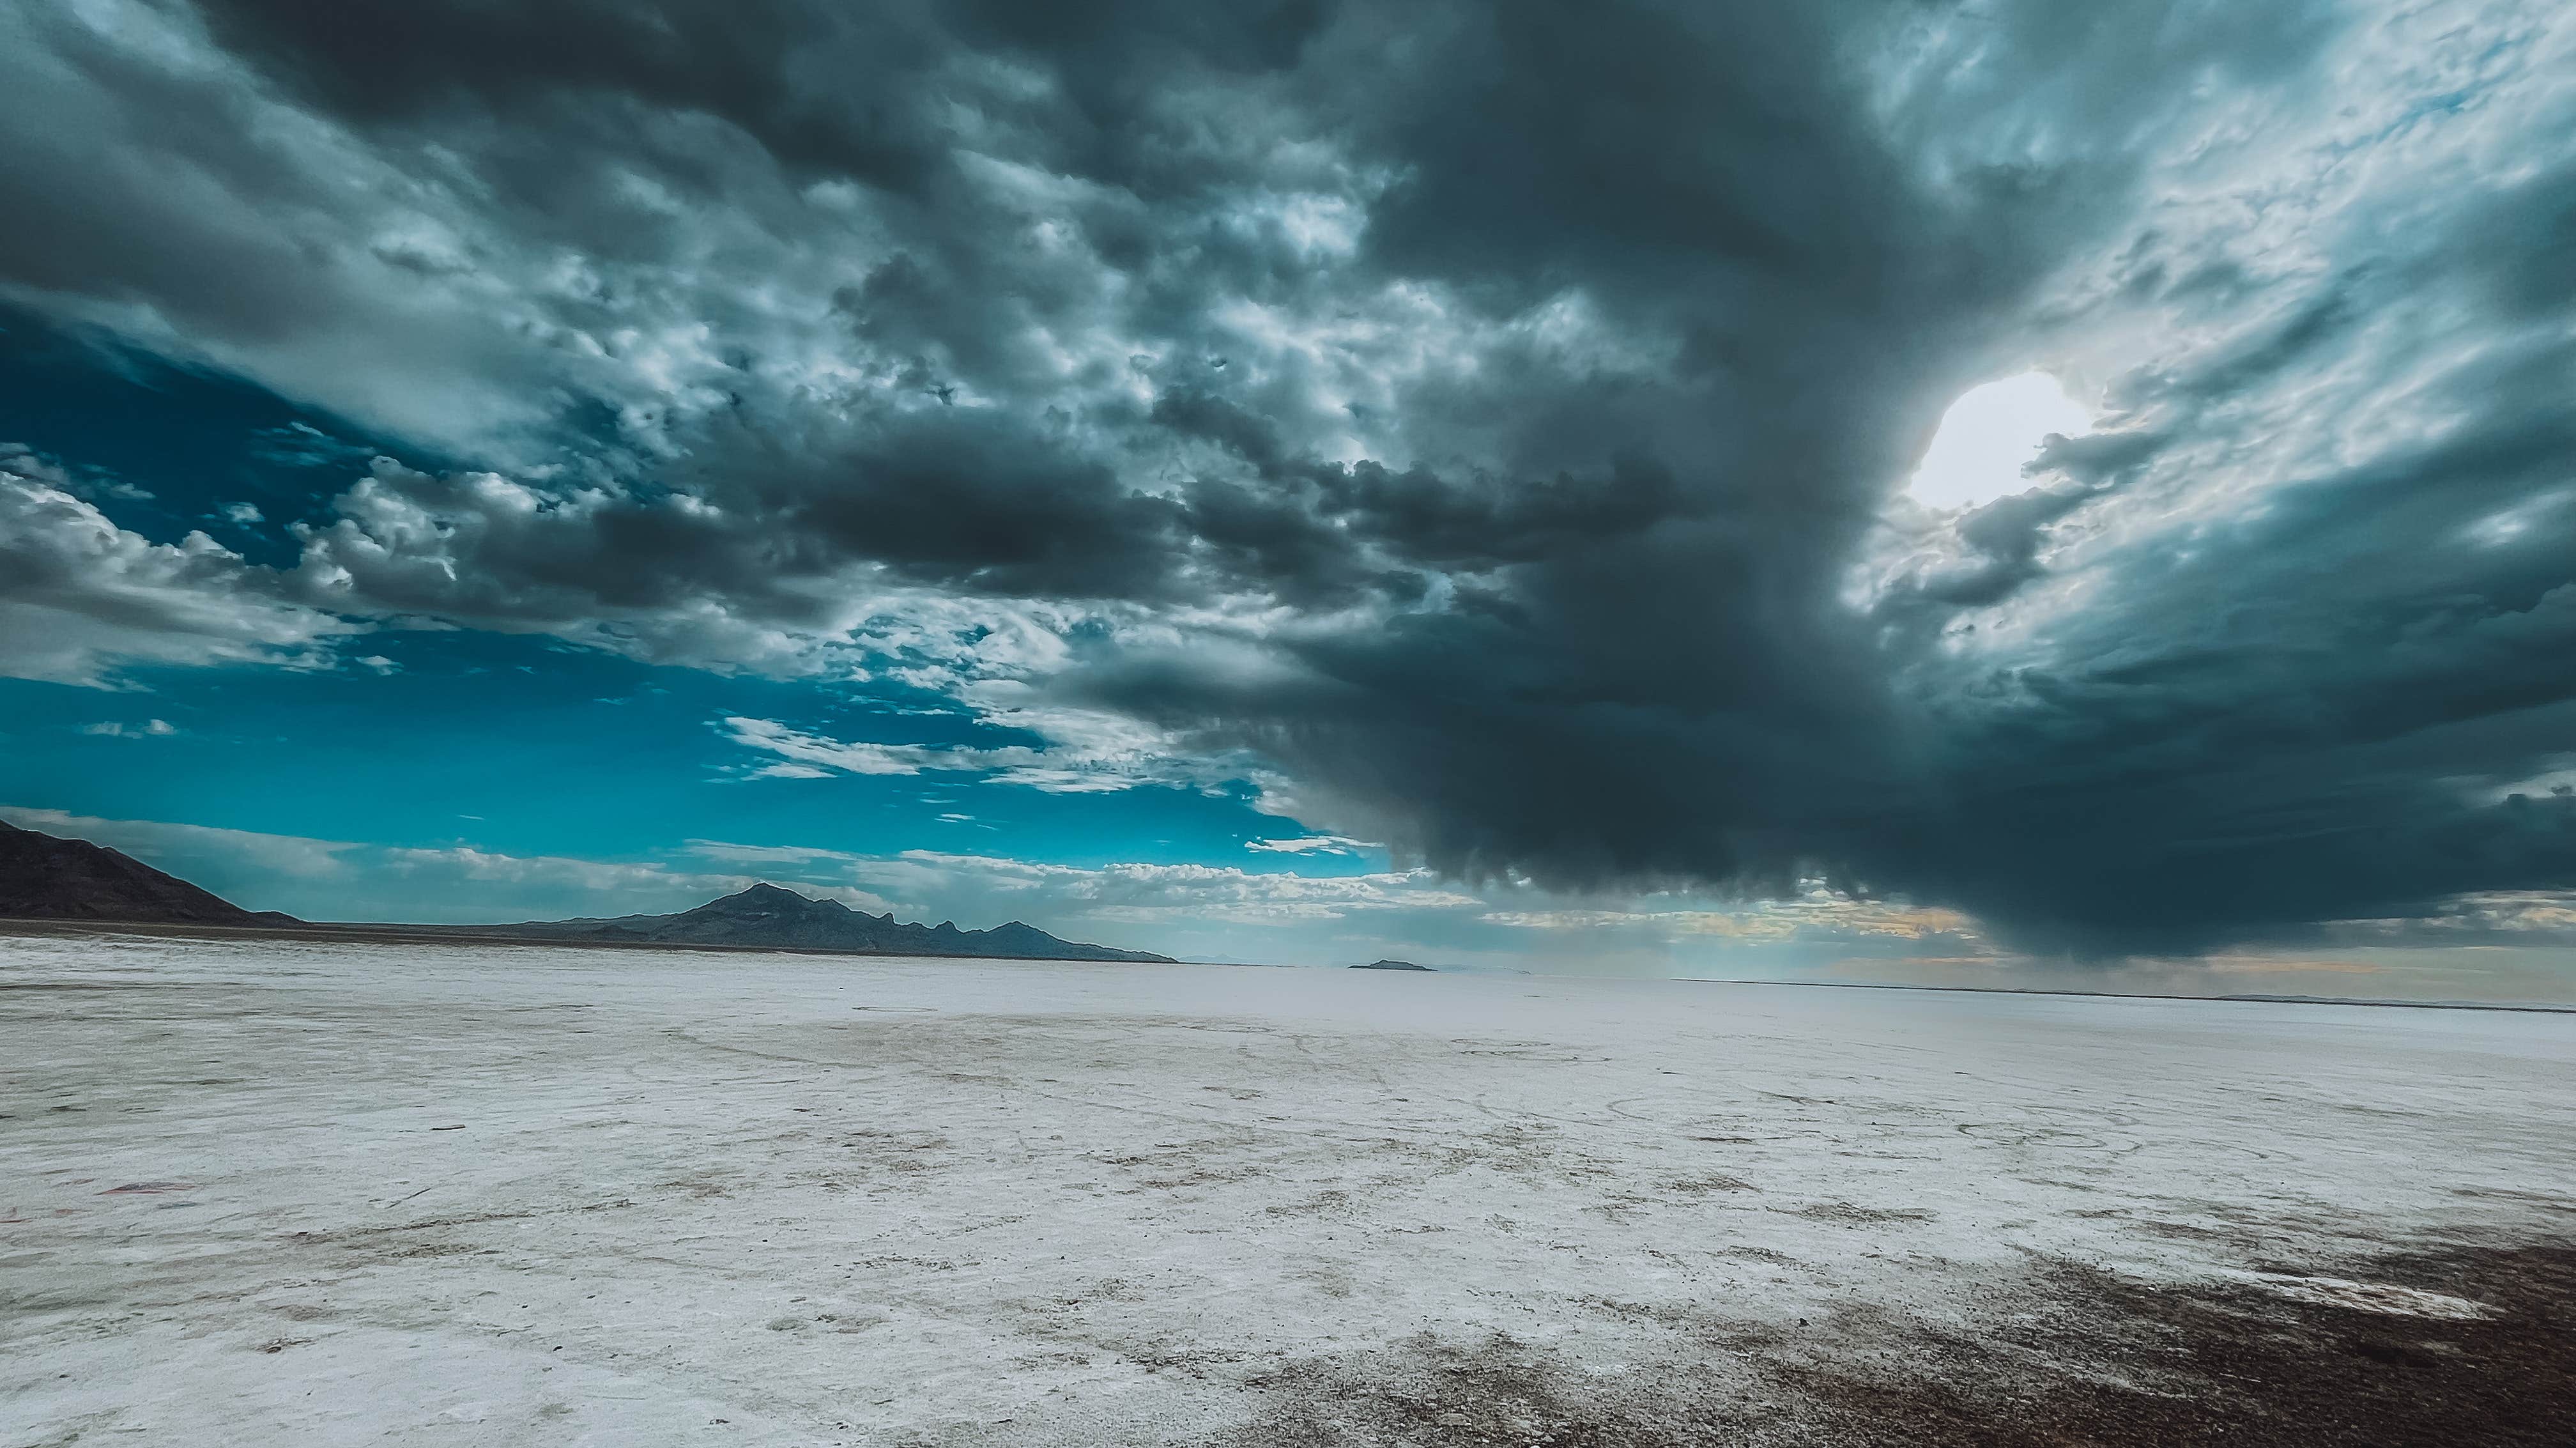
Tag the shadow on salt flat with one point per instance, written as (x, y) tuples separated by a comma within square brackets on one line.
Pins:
[(2068, 1355)]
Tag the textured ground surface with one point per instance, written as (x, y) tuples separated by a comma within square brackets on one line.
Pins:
[(322, 1194)]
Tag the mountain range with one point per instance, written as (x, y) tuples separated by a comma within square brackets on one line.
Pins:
[(43, 877), (767, 915)]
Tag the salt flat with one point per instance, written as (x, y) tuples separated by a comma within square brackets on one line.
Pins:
[(280, 1193)]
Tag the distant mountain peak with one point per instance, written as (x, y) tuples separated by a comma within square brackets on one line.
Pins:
[(765, 899), (765, 895)]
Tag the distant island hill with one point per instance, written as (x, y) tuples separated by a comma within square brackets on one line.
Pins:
[(43, 877), (1391, 965)]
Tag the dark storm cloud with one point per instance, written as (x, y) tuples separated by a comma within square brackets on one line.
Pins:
[(1523, 386), (847, 90), (968, 500)]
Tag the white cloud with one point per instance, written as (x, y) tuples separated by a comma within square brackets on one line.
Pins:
[(765, 854), (116, 729), (810, 756), (1085, 754), (1310, 845), (81, 598)]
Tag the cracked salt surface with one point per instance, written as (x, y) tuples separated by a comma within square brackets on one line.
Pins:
[(457, 1195)]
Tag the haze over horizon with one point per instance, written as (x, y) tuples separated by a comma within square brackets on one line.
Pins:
[(1994, 493)]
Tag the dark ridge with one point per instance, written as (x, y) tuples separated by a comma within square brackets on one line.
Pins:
[(43, 877), (1390, 965)]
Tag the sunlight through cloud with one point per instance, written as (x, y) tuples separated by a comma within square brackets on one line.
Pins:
[(1989, 434)]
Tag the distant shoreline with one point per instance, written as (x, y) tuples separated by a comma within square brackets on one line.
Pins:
[(2240, 998)]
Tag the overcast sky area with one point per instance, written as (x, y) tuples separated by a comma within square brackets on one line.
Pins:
[(2004, 492)]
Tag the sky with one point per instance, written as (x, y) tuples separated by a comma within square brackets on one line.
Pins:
[(1970, 493)]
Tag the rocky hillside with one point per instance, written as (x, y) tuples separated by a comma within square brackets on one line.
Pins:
[(43, 877)]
